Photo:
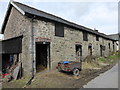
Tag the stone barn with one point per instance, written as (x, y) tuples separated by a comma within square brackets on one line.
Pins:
[(39, 40)]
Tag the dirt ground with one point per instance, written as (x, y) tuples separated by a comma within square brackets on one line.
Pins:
[(55, 79), (66, 80)]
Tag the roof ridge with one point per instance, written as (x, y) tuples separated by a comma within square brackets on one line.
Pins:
[(32, 11), (52, 15)]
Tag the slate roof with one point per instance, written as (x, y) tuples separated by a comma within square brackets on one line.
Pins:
[(33, 13), (115, 36)]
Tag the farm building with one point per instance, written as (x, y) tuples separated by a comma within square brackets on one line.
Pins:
[(39, 40), (117, 38)]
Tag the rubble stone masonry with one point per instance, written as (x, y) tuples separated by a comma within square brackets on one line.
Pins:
[(61, 48)]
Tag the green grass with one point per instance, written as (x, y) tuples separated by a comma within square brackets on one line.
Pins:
[(109, 59), (113, 57), (102, 59), (16, 83), (118, 54)]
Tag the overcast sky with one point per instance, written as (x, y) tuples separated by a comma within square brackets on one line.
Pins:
[(101, 15)]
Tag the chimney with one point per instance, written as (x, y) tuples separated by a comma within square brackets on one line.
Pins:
[(95, 29)]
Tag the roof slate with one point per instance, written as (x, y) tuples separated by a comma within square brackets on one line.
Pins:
[(114, 36), (30, 11)]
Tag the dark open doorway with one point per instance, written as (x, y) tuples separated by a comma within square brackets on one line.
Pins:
[(109, 49), (5, 63), (78, 53), (90, 50), (42, 56), (113, 46), (101, 54)]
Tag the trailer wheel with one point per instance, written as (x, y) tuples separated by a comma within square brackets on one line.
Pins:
[(76, 72)]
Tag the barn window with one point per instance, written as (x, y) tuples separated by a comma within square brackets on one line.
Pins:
[(113, 42), (59, 30), (85, 36), (97, 38)]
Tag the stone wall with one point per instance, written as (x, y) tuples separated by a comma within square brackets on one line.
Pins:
[(61, 48), (19, 25)]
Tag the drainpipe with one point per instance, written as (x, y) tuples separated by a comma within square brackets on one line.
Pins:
[(32, 50)]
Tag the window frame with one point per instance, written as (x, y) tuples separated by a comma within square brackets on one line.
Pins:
[(59, 30), (97, 38), (85, 36)]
